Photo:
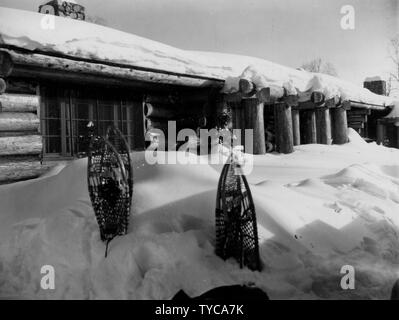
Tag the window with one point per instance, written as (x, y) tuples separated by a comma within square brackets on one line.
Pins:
[(66, 113)]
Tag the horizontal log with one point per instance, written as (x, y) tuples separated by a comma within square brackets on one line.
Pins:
[(36, 65), (17, 133), (14, 121), (21, 86), (166, 99), (6, 65), (159, 111), (3, 86), (19, 103), (356, 117), (26, 145), (270, 94), (19, 158), (362, 105), (356, 123), (360, 111), (19, 169)]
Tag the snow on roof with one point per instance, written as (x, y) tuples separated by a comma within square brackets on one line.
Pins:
[(90, 41), (375, 78), (395, 111)]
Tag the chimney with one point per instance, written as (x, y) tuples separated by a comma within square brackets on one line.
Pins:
[(376, 85)]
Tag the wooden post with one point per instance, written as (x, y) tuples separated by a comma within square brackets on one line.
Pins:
[(255, 120), (323, 124), (339, 125), (397, 137), (235, 108), (137, 117), (284, 132), (309, 126), (295, 127), (380, 132)]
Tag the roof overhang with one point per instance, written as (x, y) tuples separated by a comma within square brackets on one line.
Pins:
[(15, 62)]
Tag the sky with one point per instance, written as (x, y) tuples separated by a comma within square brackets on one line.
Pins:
[(289, 32)]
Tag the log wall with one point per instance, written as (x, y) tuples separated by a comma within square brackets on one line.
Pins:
[(20, 138)]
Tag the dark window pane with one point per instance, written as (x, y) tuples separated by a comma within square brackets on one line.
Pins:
[(53, 144), (53, 127), (124, 113), (82, 111), (106, 112), (102, 127), (81, 144), (53, 109), (124, 128), (68, 145), (81, 127)]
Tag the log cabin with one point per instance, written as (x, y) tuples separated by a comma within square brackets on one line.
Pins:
[(48, 96)]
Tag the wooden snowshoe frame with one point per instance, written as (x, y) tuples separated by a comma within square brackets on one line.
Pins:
[(236, 228), (116, 138), (109, 178)]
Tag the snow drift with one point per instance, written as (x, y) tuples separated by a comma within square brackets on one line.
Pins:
[(80, 39), (318, 209)]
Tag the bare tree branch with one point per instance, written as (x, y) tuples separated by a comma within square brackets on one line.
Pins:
[(317, 65)]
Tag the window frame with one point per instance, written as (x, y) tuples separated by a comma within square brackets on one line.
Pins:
[(124, 116)]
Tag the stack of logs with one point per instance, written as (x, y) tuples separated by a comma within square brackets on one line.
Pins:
[(315, 120), (185, 111), (20, 140), (357, 118)]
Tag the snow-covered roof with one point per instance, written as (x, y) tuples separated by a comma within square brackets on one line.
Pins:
[(394, 114), (371, 79), (80, 39)]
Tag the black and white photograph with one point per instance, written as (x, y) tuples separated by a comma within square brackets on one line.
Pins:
[(193, 151)]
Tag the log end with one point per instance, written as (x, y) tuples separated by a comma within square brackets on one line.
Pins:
[(291, 100), (3, 86), (246, 86), (317, 97), (6, 64)]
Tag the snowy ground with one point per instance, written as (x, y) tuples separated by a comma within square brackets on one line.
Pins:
[(318, 209)]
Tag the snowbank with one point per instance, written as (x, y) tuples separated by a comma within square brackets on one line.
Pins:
[(90, 41), (318, 209), (375, 78)]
